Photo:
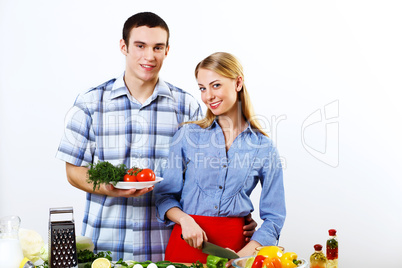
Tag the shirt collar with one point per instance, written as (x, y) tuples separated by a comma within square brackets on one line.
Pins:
[(162, 89), (248, 128), (119, 88)]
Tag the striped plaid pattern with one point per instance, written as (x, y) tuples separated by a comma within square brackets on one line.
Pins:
[(107, 124)]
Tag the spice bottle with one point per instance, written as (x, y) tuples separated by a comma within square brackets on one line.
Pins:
[(318, 259), (332, 249)]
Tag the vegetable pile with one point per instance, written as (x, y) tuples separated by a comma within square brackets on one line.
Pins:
[(273, 257), (86, 257), (105, 172)]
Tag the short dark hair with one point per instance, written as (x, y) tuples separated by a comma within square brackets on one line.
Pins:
[(148, 19)]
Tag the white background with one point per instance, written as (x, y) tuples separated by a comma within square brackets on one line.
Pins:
[(298, 56)]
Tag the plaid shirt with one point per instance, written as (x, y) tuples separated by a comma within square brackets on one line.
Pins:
[(107, 124)]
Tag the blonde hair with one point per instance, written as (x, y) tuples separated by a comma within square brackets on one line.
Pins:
[(227, 65)]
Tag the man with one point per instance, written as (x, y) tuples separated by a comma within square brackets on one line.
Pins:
[(128, 120)]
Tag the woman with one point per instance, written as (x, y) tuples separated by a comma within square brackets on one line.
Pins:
[(214, 164)]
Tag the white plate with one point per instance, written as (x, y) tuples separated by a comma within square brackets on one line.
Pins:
[(137, 185)]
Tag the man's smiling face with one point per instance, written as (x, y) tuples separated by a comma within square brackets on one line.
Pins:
[(145, 53)]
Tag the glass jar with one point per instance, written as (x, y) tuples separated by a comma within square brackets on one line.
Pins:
[(332, 249), (10, 247), (318, 259)]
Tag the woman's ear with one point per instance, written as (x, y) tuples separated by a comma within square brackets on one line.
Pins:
[(239, 83)]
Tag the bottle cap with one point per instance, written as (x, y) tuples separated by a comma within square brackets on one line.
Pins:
[(317, 247), (332, 232)]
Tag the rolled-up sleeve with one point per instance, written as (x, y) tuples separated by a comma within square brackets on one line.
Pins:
[(168, 191), (272, 200)]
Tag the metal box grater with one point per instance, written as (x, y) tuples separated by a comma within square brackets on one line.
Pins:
[(62, 246)]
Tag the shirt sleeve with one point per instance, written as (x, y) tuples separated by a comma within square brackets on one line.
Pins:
[(193, 110), (78, 143), (168, 191), (198, 113), (272, 200)]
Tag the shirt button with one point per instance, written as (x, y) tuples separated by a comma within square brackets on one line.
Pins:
[(216, 207), (220, 187), (224, 166)]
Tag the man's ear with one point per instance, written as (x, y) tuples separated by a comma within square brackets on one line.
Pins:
[(123, 47), (167, 50)]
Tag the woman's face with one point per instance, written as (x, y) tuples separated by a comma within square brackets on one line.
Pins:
[(219, 93)]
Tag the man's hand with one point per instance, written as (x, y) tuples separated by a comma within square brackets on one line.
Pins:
[(110, 190), (77, 177), (249, 227)]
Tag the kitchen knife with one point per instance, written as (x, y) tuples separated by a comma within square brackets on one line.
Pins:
[(212, 249), (218, 251)]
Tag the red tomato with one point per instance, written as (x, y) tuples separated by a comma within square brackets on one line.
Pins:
[(146, 175), (131, 175), (129, 178)]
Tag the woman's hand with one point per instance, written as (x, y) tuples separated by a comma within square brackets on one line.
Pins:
[(192, 232)]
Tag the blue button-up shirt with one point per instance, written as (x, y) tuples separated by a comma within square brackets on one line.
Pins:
[(107, 124), (202, 178)]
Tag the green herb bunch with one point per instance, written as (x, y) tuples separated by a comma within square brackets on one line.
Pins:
[(105, 172)]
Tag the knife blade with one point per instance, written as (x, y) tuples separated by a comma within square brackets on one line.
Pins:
[(212, 249)]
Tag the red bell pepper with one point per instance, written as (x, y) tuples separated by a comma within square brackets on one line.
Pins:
[(258, 261)]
